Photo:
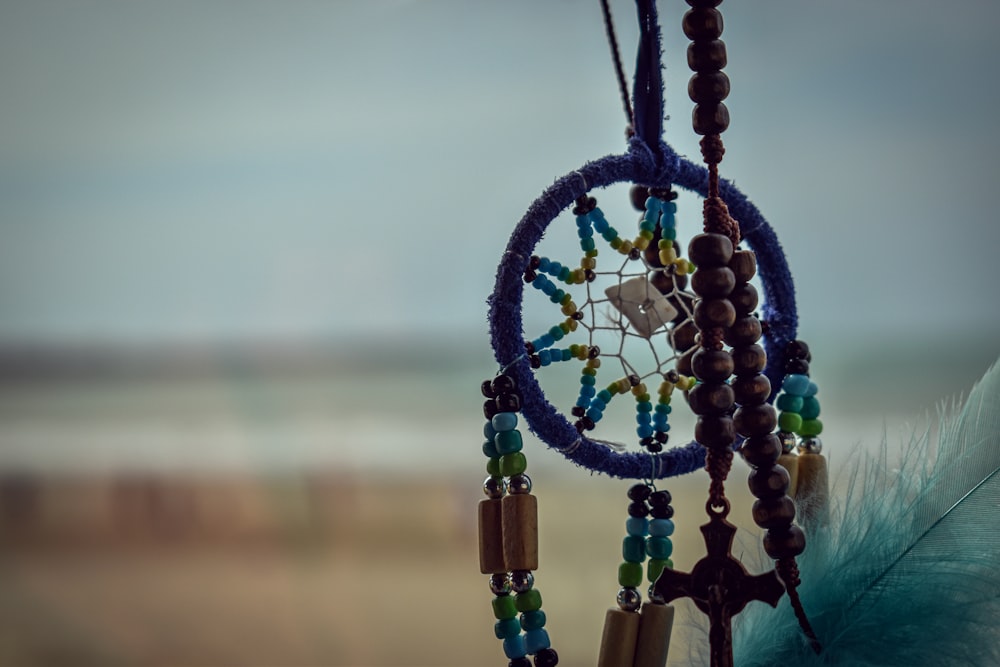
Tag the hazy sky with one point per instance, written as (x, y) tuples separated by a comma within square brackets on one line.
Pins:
[(228, 169)]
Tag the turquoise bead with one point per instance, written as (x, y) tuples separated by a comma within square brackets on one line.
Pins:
[(789, 403), (604, 395), (532, 620), (637, 525), (513, 647), (556, 333), (661, 527), (634, 549), (507, 627), (529, 600), (811, 390), (670, 207), (536, 640), (588, 380), (508, 442), (587, 389), (504, 421), (795, 384), (490, 449), (810, 408), (663, 409), (643, 406), (587, 244), (659, 547), (489, 431)]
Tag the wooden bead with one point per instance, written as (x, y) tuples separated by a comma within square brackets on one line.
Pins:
[(520, 531), (621, 630), (683, 364), (702, 23), (784, 542), (704, 3), (710, 118), (757, 419), (744, 265), (790, 462), (761, 451), (712, 365), (751, 389), (491, 537), (812, 492), (774, 512), (708, 87), (749, 359), (656, 621), (713, 282), (682, 337), (768, 482), (711, 313), (711, 398), (744, 298), (707, 56), (710, 250), (745, 331), (714, 431), (797, 349)]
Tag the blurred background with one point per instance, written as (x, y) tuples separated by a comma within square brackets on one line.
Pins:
[(245, 249)]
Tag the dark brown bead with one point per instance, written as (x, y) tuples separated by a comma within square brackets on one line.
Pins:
[(707, 56), (757, 419), (774, 513), (749, 359), (709, 313), (682, 337), (796, 367), (704, 3), (487, 389), (638, 194), (713, 282), (710, 118), (715, 431), (784, 542), (490, 409), (710, 250), (751, 389), (684, 362), (744, 265), (768, 482), (712, 365), (761, 451), (711, 398), (798, 349), (508, 402), (744, 298), (745, 331), (708, 87), (702, 23), (683, 302)]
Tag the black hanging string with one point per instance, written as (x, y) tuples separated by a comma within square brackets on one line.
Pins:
[(609, 27)]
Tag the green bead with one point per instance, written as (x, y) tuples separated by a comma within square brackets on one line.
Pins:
[(529, 600), (655, 567), (504, 607), (508, 442), (789, 403), (634, 549), (493, 467), (789, 422), (630, 574), (810, 408), (659, 547), (513, 464), (811, 427)]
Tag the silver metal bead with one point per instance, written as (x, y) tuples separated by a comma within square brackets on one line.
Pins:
[(500, 584), (519, 484), (788, 441), (629, 599), (654, 596), (811, 445), (493, 487), (521, 580)]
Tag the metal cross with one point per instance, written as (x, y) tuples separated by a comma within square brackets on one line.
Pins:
[(720, 586)]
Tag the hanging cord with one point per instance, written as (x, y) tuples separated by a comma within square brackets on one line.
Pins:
[(609, 27), (788, 570)]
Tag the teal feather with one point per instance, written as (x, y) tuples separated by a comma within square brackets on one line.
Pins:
[(907, 572)]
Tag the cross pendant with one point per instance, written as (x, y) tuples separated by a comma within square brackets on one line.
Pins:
[(720, 587)]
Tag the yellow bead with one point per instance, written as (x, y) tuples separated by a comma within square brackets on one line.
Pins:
[(579, 277), (594, 363), (681, 267), (588, 263), (639, 389), (569, 308), (668, 255), (641, 243), (571, 323), (666, 388), (625, 247), (623, 386)]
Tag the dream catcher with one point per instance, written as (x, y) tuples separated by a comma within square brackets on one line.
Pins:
[(713, 343)]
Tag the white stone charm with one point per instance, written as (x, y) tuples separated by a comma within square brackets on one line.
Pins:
[(645, 306)]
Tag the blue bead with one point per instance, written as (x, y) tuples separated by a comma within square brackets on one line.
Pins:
[(585, 232), (536, 640), (795, 384), (661, 528), (598, 404), (546, 340), (588, 391), (554, 268), (504, 421), (544, 263), (654, 204), (564, 273), (670, 207), (637, 525), (595, 415), (659, 547), (556, 332), (811, 390), (557, 296), (583, 221), (645, 431), (643, 418), (566, 354), (600, 222), (513, 647), (489, 431), (583, 402), (490, 450), (634, 548), (549, 287), (532, 620), (507, 627), (660, 421), (545, 357)]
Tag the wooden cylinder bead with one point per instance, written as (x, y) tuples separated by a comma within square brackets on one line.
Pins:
[(711, 313), (711, 398), (710, 118), (744, 265), (744, 298), (784, 542), (761, 451), (713, 282), (745, 331), (683, 364), (768, 482), (790, 462), (749, 359), (708, 87), (812, 492), (712, 365), (621, 630), (774, 512), (682, 337), (491, 537), (757, 419), (520, 531), (751, 389), (707, 56), (714, 431), (702, 24), (710, 250), (656, 621)]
